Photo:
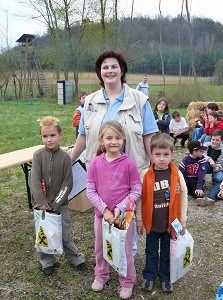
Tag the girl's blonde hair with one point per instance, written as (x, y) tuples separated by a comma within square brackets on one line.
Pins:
[(162, 141), (50, 121), (114, 125)]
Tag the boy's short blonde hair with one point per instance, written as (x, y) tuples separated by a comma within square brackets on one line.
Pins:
[(162, 141), (50, 121)]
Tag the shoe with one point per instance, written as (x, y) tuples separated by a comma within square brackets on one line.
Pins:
[(147, 285), (205, 202), (167, 287), (97, 286), (125, 292), (49, 270), (82, 266)]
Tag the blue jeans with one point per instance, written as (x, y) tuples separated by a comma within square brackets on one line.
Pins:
[(197, 133), (217, 176), (157, 264), (205, 138), (214, 192)]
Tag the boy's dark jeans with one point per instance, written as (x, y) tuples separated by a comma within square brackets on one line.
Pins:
[(191, 183), (157, 264), (184, 136)]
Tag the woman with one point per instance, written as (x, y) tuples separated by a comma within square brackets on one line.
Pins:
[(116, 101)]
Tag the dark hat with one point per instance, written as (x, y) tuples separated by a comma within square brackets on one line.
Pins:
[(195, 145)]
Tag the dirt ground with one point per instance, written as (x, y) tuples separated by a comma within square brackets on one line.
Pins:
[(21, 276)]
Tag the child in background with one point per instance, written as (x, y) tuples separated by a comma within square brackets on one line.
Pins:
[(162, 116), (214, 156), (210, 126), (216, 193), (164, 198), (53, 165), (112, 178), (179, 128), (199, 130), (192, 167), (78, 112)]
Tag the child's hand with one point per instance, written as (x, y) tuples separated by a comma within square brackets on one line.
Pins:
[(108, 216), (45, 207), (139, 227), (212, 163), (199, 193), (117, 212), (216, 169), (183, 231), (220, 194)]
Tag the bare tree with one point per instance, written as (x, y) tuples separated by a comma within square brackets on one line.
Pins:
[(161, 48), (193, 64)]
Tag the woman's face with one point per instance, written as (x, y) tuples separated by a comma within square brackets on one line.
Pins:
[(110, 71)]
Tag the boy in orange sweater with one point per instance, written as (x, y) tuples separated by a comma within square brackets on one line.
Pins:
[(164, 198)]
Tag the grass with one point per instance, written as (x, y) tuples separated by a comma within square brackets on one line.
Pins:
[(20, 128)]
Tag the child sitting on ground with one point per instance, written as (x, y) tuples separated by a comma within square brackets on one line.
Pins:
[(211, 126), (214, 156), (192, 167), (179, 128), (162, 116)]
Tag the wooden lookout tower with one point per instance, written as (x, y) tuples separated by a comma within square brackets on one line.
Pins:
[(31, 70)]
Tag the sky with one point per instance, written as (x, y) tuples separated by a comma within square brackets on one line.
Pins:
[(13, 23)]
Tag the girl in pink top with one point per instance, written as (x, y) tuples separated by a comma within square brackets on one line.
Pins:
[(112, 178)]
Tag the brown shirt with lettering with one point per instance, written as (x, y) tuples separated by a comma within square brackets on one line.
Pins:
[(161, 200)]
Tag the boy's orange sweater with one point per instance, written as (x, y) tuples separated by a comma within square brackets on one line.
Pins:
[(148, 197)]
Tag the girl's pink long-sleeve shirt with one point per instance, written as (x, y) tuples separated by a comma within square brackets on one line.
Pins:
[(109, 184)]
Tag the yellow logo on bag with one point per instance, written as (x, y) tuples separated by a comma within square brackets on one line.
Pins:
[(42, 238), (186, 258), (109, 250)]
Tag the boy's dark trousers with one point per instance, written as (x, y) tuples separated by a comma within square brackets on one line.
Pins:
[(191, 183), (157, 265), (184, 136)]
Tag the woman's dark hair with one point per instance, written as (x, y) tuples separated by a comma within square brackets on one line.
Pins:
[(158, 102), (107, 54)]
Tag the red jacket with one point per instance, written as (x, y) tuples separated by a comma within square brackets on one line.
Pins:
[(209, 130)]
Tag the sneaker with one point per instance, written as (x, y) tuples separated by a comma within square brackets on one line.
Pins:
[(49, 270), (147, 285), (167, 287), (82, 266), (97, 286), (205, 202), (125, 292)]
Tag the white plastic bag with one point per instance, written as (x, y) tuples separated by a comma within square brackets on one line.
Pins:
[(181, 255), (48, 226), (114, 247)]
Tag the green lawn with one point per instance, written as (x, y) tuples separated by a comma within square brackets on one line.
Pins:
[(20, 128)]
